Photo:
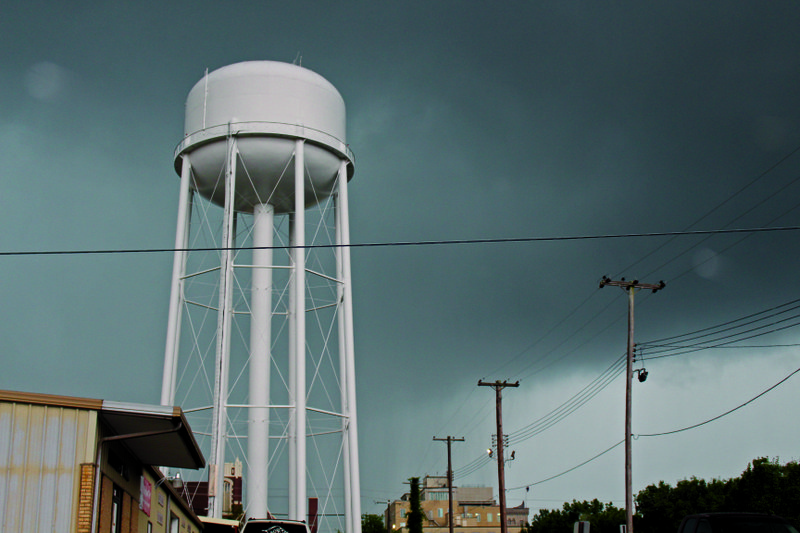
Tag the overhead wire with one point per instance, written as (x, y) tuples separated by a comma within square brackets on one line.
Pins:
[(687, 428), (445, 242), (718, 206), (726, 333), (554, 416), (587, 393), (727, 323), (532, 429), (722, 344), (726, 413), (738, 217), (570, 406)]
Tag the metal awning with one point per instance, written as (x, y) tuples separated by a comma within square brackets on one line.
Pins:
[(157, 435)]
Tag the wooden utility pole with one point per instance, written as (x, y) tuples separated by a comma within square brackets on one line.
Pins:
[(498, 387), (630, 287), (450, 440)]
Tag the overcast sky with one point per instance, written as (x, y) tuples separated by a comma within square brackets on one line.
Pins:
[(469, 120)]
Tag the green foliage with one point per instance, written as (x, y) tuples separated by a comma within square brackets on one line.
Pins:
[(769, 487), (372, 523), (661, 507), (764, 487), (603, 518), (414, 517)]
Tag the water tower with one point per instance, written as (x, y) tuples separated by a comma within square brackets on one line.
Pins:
[(260, 331)]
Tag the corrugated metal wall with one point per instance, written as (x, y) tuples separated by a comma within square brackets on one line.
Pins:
[(41, 450)]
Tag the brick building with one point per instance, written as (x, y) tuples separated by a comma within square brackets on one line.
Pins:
[(196, 492), (475, 510)]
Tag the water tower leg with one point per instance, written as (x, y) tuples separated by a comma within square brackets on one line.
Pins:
[(350, 377), (216, 468), (260, 360), (340, 323), (290, 426), (297, 355), (176, 296)]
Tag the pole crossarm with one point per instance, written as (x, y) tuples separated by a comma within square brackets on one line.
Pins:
[(655, 287), (449, 440), (497, 385)]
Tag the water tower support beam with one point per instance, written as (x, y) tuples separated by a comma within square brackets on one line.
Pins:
[(340, 320), (216, 470), (260, 360), (297, 474), (176, 289), (349, 379)]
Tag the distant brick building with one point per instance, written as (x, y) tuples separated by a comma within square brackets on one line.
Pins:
[(474, 509), (196, 492)]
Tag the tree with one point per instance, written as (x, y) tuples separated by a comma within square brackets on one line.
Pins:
[(764, 487), (372, 523), (414, 516), (661, 507), (768, 487), (603, 518)]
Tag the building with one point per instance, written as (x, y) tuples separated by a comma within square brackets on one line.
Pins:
[(83, 465), (474, 509), (196, 492)]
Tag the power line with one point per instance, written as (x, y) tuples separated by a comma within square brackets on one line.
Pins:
[(751, 400), (110, 251), (663, 339), (570, 469), (724, 344), (554, 416), (570, 406), (717, 207)]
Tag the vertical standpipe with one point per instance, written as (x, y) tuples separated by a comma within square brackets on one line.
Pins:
[(265, 140), (260, 358)]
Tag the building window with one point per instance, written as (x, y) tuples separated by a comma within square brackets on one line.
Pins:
[(489, 517), (402, 513), (477, 517), (441, 512), (116, 510)]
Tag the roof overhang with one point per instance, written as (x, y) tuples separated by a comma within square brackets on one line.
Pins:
[(157, 435)]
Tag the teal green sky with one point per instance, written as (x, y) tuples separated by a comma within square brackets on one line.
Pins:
[(469, 120)]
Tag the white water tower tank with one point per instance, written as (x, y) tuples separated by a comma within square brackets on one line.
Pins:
[(266, 105), (265, 141)]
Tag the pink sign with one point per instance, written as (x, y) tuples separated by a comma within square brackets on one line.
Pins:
[(146, 490)]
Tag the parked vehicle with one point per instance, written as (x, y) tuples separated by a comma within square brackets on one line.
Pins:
[(735, 523), (271, 525)]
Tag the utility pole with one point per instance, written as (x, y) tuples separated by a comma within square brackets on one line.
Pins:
[(450, 440), (498, 387), (388, 504), (630, 287)]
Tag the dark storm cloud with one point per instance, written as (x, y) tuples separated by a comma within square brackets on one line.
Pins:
[(468, 120)]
